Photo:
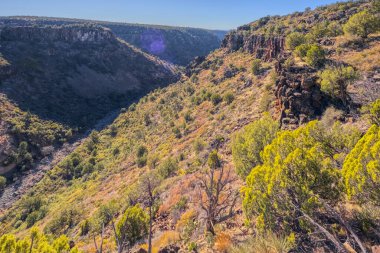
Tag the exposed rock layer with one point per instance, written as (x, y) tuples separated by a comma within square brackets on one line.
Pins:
[(260, 46)]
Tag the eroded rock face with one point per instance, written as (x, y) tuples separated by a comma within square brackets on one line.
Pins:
[(260, 46), (299, 97), (69, 33)]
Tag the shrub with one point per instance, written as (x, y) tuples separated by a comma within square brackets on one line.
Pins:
[(3, 182), (302, 50), (141, 156), (188, 117), (374, 113), (256, 66), (334, 81), (334, 29), (362, 24), (133, 225), (315, 56), (168, 167), (65, 220), (216, 99), (228, 98), (297, 166), (198, 145), (361, 168), (294, 39), (250, 142)]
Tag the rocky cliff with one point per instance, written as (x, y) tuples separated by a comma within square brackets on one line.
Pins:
[(178, 45), (68, 34), (262, 47)]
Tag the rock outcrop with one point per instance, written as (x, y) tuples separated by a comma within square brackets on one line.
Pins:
[(262, 47), (298, 94)]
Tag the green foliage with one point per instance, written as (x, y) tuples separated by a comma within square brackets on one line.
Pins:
[(103, 216), (256, 66), (294, 39), (32, 209), (141, 156), (299, 168), (302, 50), (198, 145), (63, 221), (334, 81), (3, 182), (228, 98), (24, 159), (250, 142), (213, 160), (168, 168), (362, 24), (37, 243), (133, 225), (216, 99), (374, 113), (361, 169), (334, 29), (315, 56)]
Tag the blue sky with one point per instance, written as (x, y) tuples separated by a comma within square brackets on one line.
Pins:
[(214, 14)]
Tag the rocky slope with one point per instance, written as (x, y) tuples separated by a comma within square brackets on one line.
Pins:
[(178, 45)]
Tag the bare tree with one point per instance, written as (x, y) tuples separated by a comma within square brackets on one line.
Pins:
[(148, 188), (216, 195)]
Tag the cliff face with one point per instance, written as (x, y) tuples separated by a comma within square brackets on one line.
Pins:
[(178, 45), (258, 45), (69, 34)]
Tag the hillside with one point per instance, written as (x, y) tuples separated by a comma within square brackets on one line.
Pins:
[(270, 144), (57, 82), (178, 45)]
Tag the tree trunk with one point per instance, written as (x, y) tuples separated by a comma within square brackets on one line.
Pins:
[(340, 248), (150, 230), (210, 226)]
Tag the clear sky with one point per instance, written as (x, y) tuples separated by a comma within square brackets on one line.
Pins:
[(214, 14)]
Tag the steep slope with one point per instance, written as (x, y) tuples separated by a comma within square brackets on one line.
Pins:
[(173, 130), (56, 82), (178, 45)]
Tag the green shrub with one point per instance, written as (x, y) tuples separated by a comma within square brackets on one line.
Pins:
[(228, 98), (334, 81), (374, 113), (133, 225), (63, 221), (302, 50), (256, 66), (85, 227), (3, 182), (216, 99), (168, 168), (315, 56), (294, 39), (198, 145), (250, 142), (141, 156), (361, 168), (334, 29), (362, 24)]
